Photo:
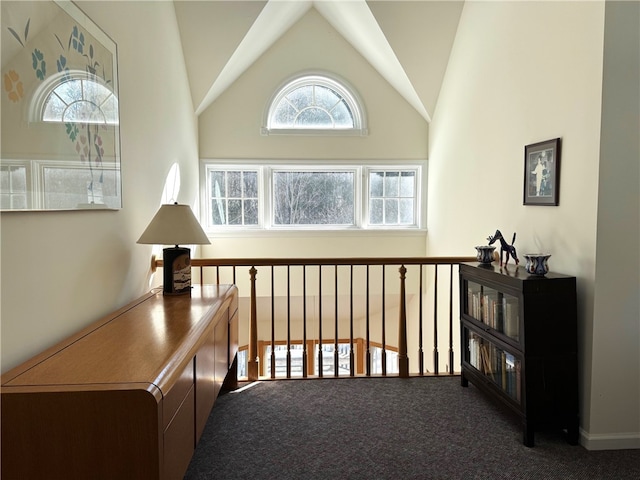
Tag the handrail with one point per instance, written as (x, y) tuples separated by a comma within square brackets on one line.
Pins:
[(403, 360), (267, 262)]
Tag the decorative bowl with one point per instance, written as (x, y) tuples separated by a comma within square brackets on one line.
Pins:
[(485, 253), (537, 263)]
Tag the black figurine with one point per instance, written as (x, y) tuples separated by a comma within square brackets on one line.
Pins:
[(505, 247)]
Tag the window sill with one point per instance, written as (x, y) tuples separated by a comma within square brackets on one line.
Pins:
[(361, 232), (317, 132)]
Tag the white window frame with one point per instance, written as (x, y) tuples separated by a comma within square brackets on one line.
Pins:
[(37, 187), (266, 168), (206, 195), (48, 88), (420, 186), (325, 79), (357, 187)]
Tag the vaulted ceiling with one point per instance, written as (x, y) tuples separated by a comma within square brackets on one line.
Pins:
[(407, 42)]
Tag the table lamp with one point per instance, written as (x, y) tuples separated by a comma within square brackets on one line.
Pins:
[(175, 224)]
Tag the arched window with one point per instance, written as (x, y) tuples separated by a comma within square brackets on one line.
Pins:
[(76, 97), (315, 104)]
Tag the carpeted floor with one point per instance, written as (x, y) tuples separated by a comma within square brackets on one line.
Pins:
[(385, 428)]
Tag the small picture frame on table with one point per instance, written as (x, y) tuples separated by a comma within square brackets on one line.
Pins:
[(542, 173)]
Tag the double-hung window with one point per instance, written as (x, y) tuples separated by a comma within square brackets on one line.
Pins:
[(392, 197), (233, 197), (311, 196)]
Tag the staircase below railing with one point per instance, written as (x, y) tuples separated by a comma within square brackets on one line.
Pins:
[(361, 294)]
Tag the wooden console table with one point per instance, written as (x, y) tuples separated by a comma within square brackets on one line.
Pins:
[(128, 396)]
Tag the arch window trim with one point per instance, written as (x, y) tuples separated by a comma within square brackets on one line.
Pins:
[(48, 88), (340, 87)]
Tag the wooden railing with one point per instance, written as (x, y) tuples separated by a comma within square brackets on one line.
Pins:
[(413, 277)]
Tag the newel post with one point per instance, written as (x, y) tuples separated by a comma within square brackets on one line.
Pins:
[(403, 359), (252, 368)]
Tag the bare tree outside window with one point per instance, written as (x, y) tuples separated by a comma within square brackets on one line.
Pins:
[(314, 198), (318, 196)]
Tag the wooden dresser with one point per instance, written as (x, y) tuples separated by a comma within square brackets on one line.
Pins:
[(127, 397)]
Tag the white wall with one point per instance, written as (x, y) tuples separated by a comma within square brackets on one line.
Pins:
[(230, 129), (520, 73), (62, 270), (615, 378)]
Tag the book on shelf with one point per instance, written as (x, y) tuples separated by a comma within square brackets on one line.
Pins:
[(511, 324)]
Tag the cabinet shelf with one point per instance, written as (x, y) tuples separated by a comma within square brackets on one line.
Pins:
[(519, 344)]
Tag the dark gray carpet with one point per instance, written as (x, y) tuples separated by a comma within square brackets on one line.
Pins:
[(385, 428)]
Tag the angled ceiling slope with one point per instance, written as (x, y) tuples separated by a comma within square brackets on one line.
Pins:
[(408, 43)]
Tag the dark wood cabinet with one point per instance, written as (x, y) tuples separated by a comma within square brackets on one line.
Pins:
[(519, 344), (127, 397)]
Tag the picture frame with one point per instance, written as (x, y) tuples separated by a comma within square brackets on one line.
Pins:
[(60, 110), (542, 173)]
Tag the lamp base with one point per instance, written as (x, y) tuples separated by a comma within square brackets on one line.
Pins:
[(177, 271)]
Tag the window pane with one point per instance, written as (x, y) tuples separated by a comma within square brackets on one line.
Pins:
[(18, 179), (313, 198), (70, 91), (407, 184), (251, 212), (376, 188), (376, 216), (235, 212), (342, 115), (391, 186), (301, 97), (250, 184), (217, 212), (218, 185), (66, 188), (234, 180), (54, 108), (284, 115), (326, 98), (391, 211), (315, 118), (406, 211), (79, 112)]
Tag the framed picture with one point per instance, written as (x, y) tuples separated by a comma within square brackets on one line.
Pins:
[(542, 173), (60, 110)]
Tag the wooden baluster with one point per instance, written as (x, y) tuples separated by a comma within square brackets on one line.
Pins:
[(288, 321), (273, 326), (304, 321), (252, 367), (320, 366), (420, 331), (384, 326), (352, 358), (234, 275), (336, 353), (403, 359), (218, 274), (451, 320), (435, 321), (368, 346)]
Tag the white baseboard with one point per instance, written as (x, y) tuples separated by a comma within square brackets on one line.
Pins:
[(614, 441)]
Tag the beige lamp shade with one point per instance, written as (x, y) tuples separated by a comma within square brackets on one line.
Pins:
[(174, 224)]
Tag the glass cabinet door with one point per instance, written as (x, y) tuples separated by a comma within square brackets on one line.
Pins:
[(495, 309), (500, 366)]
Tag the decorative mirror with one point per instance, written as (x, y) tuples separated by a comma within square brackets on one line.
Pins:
[(60, 146)]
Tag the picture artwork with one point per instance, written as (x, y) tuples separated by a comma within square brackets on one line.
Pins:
[(541, 173)]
